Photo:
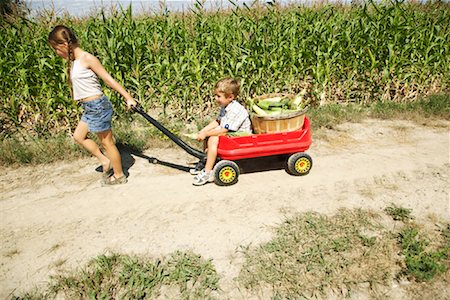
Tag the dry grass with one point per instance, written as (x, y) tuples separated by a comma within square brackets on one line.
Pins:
[(313, 254), (59, 262), (11, 253), (352, 252), (114, 276), (403, 134)]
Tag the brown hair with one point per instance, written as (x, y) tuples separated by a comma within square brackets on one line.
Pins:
[(60, 35), (228, 86)]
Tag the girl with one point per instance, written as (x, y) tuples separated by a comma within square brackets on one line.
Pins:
[(83, 71)]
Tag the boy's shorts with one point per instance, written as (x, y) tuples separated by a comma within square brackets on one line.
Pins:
[(235, 133), (97, 114), (238, 133)]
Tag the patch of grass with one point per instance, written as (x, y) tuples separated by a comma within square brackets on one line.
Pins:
[(32, 150), (31, 295), (312, 254), (421, 264), (398, 213), (192, 274), (136, 139), (117, 276), (25, 150), (434, 106), (332, 114)]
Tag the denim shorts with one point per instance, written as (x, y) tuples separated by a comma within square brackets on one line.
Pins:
[(97, 114)]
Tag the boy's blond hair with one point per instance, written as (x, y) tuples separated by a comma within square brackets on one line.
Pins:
[(228, 86)]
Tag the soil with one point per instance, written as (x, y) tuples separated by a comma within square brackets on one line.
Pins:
[(58, 216)]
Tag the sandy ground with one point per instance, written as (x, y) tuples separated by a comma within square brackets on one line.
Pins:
[(58, 216)]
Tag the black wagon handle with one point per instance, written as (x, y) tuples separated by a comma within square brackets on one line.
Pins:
[(186, 147)]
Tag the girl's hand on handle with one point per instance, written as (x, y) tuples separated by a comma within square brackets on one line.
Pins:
[(131, 103), (95, 65)]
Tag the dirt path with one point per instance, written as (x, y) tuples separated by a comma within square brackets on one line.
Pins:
[(58, 216)]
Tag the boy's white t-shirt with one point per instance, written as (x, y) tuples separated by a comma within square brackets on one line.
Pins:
[(234, 117)]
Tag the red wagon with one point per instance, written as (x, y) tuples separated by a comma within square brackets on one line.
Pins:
[(292, 143), (233, 150)]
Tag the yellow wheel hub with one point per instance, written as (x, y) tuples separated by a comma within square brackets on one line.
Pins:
[(302, 165), (227, 174)]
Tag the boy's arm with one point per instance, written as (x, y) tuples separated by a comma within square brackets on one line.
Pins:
[(211, 125), (211, 131)]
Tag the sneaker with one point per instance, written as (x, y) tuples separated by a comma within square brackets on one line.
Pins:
[(203, 178), (198, 175), (194, 171), (197, 168)]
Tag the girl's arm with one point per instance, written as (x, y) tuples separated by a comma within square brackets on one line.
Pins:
[(95, 65)]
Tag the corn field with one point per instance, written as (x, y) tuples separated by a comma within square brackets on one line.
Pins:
[(336, 53)]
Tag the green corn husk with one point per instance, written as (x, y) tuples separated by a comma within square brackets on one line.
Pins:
[(259, 111), (267, 105)]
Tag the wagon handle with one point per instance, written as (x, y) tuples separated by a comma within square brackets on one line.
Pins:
[(186, 147)]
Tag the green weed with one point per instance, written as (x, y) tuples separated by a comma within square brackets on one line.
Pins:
[(398, 213), (116, 276), (421, 264)]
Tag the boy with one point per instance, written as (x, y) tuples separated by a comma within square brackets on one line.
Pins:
[(232, 117)]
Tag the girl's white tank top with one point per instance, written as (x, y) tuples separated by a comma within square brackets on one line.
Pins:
[(84, 81)]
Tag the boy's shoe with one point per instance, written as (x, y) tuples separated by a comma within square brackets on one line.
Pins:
[(199, 166), (203, 178), (199, 174), (194, 171)]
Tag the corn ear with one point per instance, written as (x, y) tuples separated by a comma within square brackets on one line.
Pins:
[(297, 100), (190, 135), (274, 112), (259, 111), (269, 105), (273, 99)]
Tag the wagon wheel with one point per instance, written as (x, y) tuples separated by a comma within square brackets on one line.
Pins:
[(226, 173), (299, 164)]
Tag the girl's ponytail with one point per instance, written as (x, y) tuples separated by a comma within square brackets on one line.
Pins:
[(60, 35)]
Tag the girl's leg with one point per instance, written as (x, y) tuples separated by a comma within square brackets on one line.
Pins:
[(211, 154), (107, 141), (80, 136)]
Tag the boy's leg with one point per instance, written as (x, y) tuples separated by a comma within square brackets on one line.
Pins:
[(211, 154), (200, 166), (80, 136), (206, 174)]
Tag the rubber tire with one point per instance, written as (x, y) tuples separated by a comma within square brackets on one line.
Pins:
[(294, 159), (222, 166)]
